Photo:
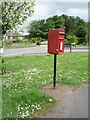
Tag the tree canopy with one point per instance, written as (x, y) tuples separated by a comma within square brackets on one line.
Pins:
[(14, 13), (74, 27)]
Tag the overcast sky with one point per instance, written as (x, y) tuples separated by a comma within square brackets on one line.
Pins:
[(49, 8)]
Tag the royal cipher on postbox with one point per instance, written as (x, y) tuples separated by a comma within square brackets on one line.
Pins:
[(56, 41)]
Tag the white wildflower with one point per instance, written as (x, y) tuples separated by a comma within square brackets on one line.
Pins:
[(50, 100)]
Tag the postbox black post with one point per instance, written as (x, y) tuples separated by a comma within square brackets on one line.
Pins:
[(54, 83), (70, 48)]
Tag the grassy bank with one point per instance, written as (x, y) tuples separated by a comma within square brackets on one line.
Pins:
[(80, 46), (28, 45), (21, 89), (20, 46)]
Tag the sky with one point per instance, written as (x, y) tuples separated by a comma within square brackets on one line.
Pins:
[(48, 8)]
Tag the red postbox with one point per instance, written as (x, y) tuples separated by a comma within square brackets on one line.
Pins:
[(56, 41)]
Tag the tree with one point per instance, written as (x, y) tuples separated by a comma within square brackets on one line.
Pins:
[(37, 28), (72, 38), (71, 24), (58, 21), (40, 28), (81, 33), (67, 23), (14, 13)]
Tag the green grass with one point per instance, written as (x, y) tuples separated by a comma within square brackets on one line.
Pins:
[(80, 46), (22, 46), (21, 90)]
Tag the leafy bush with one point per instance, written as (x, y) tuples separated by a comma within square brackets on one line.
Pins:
[(4, 66), (17, 41), (40, 39), (34, 40), (8, 42)]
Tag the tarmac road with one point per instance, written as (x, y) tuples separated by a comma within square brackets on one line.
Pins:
[(35, 50), (75, 105)]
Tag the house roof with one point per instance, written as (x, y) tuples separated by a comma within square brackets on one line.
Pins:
[(9, 34), (14, 34)]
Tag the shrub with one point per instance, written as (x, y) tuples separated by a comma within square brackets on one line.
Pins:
[(34, 40), (40, 39), (17, 41), (4, 66), (8, 42)]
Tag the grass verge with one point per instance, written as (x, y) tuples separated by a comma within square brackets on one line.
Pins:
[(21, 93), (80, 46), (22, 46)]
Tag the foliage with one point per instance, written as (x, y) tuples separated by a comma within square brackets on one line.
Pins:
[(4, 66), (66, 41), (14, 13), (74, 26), (40, 28), (21, 90), (37, 29), (34, 40), (40, 39), (17, 40), (8, 42), (72, 38), (81, 33)]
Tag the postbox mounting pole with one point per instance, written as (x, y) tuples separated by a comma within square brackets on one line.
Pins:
[(70, 48), (54, 82)]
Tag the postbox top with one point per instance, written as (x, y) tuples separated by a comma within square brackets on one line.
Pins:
[(61, 31)]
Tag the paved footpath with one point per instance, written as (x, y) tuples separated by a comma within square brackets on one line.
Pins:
[(74, 105)]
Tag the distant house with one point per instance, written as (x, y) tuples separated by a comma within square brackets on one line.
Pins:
[(10, 36)]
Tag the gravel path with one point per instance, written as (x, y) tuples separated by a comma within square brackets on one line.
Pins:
[(72, 102)]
